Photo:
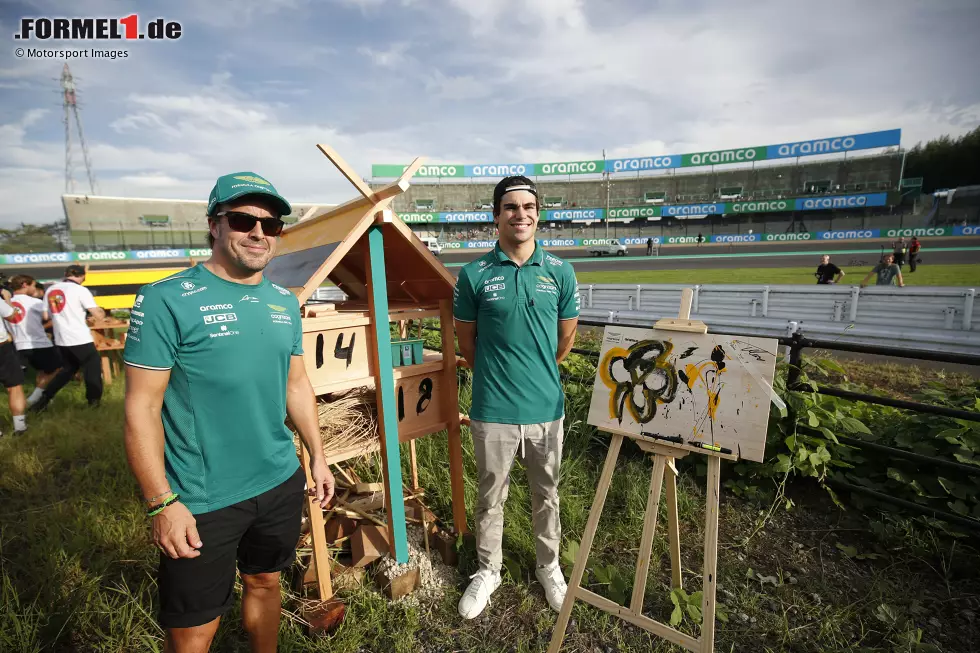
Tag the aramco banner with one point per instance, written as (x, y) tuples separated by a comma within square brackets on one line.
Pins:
[(831, 145), (679, 211)]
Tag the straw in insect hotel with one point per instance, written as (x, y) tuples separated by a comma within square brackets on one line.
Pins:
[(346, 421)]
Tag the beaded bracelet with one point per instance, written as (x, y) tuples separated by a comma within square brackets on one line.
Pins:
[(174, 498)]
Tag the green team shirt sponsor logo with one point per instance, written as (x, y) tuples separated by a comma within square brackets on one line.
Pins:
[(516, 311), (228, 347)]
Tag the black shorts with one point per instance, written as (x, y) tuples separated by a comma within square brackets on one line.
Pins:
[(11, 373), (45, 359), (259, 535)]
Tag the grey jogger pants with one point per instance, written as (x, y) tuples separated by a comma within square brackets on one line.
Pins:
[(496, 446)]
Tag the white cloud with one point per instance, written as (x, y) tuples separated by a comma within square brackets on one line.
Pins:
[(388, 57)]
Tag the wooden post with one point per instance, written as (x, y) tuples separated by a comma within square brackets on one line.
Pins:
[(415, 465), (710, 584), (106, 369), (321, 554), (649, 529), (673, 532), (586, 545), (385, 388), (456, 478)]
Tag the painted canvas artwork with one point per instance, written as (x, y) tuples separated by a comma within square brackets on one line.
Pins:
[(701, 388)]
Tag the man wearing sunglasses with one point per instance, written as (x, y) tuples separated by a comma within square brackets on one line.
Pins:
[(214, 364), (516, 309)]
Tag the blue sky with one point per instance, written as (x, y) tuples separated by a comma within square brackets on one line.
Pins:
[(255, 84)]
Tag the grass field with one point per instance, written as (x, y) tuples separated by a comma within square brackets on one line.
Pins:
[(933, 275), (77, 568)]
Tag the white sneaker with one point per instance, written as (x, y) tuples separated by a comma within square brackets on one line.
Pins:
[(553, 582), (477, 594)]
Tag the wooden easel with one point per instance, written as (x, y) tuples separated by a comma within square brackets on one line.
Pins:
[(664, 454)]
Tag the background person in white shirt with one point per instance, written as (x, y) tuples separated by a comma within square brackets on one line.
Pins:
[(69, 303), (30, 338), (11, 373)]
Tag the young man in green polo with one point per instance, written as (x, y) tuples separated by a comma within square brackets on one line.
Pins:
[(214, 364), (516, 310)]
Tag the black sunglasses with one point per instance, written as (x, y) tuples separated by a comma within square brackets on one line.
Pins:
[(244, 222)]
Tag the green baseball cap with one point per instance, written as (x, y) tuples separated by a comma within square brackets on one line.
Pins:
[(238, 184)]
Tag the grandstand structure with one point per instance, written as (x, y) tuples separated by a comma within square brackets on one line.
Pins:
[(762, 184), (841, 183), (100, 223)]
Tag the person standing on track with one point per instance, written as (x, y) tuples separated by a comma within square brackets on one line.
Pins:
[(887, 271), (516, 310), (30, 338), (827, 272), (649, 246), (68, 303), (900, 249), (914, 247), (214, 365)]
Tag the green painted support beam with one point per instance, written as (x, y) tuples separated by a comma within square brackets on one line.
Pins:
[(388, 413)]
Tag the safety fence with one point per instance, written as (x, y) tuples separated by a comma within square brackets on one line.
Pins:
[(882, 456), (937, 318)]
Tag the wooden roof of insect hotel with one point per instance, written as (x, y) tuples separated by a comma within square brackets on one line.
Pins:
[(333, 246)]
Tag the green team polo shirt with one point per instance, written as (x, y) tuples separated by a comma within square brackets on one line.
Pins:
[(516, 311), (228, 347)]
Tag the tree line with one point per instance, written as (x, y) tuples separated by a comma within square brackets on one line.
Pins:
[(946, 162)]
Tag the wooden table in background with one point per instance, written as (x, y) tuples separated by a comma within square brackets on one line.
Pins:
[(109, 336)]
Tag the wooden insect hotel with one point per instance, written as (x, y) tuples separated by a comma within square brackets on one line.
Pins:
[(388, 276)]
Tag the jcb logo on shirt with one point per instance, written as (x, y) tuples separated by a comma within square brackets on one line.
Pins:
[(493, 287), (220, 317)]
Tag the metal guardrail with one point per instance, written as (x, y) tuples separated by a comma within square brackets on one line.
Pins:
[(940, 319)]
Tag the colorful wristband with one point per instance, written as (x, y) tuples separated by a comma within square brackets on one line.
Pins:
[(152, 512)]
